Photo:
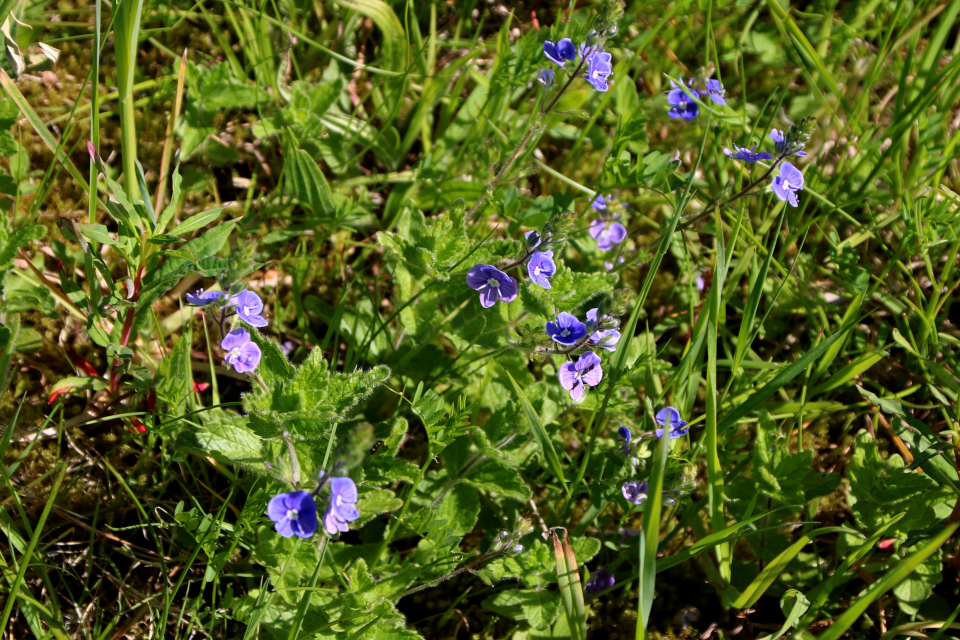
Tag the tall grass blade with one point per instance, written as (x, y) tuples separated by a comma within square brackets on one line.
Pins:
[(890, 579), (650, 538), (540, 434)]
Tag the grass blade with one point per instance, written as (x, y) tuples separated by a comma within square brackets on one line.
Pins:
[(28, 555), (650, 538), (781, 379), (890, 579), (571, 590), (540, 434)]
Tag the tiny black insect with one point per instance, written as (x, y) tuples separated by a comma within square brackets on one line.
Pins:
[(376, 447)]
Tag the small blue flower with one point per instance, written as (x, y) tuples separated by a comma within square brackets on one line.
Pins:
[(342, 508), (669, 417), (747, 155), (545, 76), (201, 298), (533, 239), (293, 513), (635, 492), (566, 330), (242, 354), (599, 70), (599, 581), (624, 432), (575, 377), (492, 284), (599, 203), (249, 306), (560, 52), (605, 338), (682, 104), (607, 234), (780, 140), (715, 91), (786, 185), (505, 539), (540, 267)]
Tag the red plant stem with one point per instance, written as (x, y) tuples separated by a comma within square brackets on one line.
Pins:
[(127, 328)]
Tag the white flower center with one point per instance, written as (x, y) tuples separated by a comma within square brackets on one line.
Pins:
[(565, 333), (493, 282), (536, 271), (292, 514)]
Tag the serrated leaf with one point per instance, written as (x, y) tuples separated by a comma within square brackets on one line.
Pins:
[(499, 481), (174, 378)]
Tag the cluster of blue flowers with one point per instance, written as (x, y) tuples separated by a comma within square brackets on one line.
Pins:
[(587, 370), (605, 230), (681, 97), (242, 353), (295, 513), (673, 426), (790, 180), (599, 63)]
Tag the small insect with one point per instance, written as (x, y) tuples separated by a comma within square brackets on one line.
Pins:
[(376, 446)]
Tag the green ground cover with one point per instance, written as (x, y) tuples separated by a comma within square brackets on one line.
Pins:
[(660, 342)]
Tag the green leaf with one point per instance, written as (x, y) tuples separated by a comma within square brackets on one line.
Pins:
[(174, 378), (793, 604), (918, 586), (304, 181), (197, 221), (539, 606), (97, 233), (499, 481), (460, 508), (226, 436), (377, 501)]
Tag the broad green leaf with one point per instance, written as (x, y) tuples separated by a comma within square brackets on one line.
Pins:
[(304, 181)]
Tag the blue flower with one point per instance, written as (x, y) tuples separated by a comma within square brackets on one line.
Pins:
[(786, 185), (545, 77), (715, 91), (780, 140), (604, 338), (599, 70), (635, 492), (533, 239), (682, 104), (669, 417), (492, 284), (293, 514), (599, 203), (560, 52), (505, 540), (575, 377), (342, 508), (624, 432), (242, 354), (606, 234), (249, 306), (540, 267), (566, 330), (599, 581), (201, 298), (747, 155)]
